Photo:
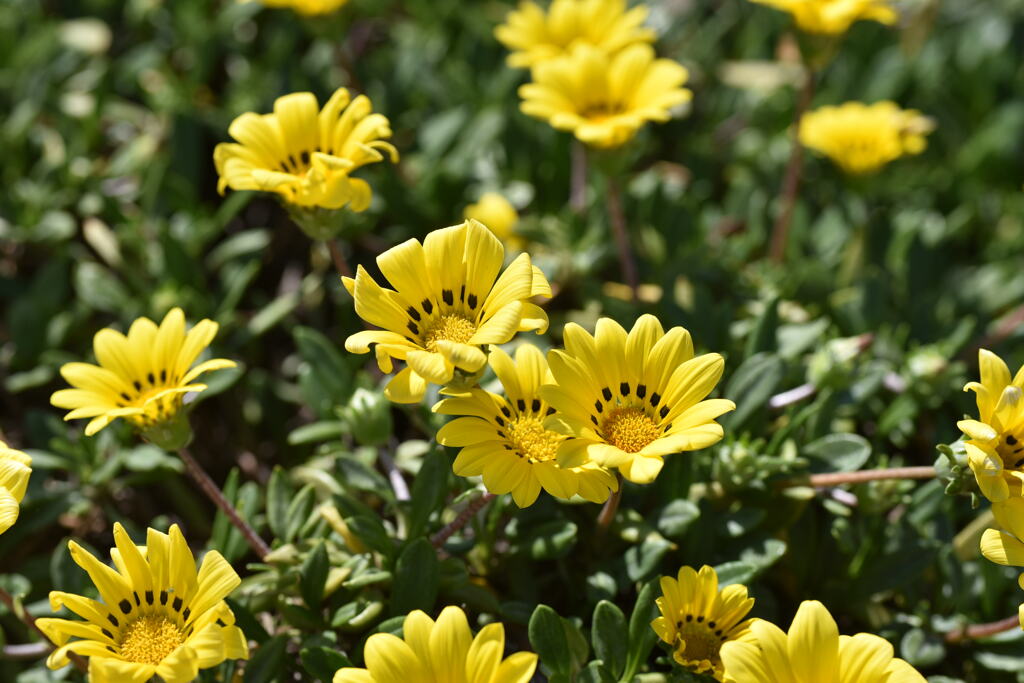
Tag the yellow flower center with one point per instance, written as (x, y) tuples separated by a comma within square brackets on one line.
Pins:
[(697, 645), (629, 429), (532, 440), (453, 328), (601, 111), (149, 639)]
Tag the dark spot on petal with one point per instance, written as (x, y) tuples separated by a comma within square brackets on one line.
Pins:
[(125, 606), (186, 613), (413, 313), (655, 399), (428, 307), (663, 412), (551, 411), (607, 393), (598, 406), (472, 301), (689, 617), (305, 157), (125, 396), (462, 293), (151, 378), (138, 385), (624, 388), (163, 597), (113, 620), (138, 602), (176, 604), (149, 597), (521, 404), (700, 618), (110, 649), (641, 390), (107, 633), (535, 405), (501, 434), (711, 624), (163, 376), (1011, 439), (220, 622), (413, 327), (500, 421), (448, 297), (506, 412), (593, 419)]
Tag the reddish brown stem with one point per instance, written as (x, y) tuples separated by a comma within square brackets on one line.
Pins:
[(791, 182), (214, 493), (340, 264), (30, 621), (462, 520), (611, 506), (627, 260), (839, 478), (976, 631)]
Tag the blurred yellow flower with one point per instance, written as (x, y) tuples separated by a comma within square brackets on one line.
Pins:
[(156, 615), (628, 400), (497, 214), (535, 36), (141, 377), (812, 652), (448, 305), (15, 469), (306, 154), (995, 443), (832, 17), (604, 100), (444, 651), (697, 618), (308, 7), (503, 438), (1005, 545), (862, 138)]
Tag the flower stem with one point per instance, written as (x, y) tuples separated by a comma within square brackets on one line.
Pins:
[(214, 493), (976, 631), (791, 182), (627, 260), (611, 506), (578, 181), (467, 514), (30, 621), (840, 478), (340, 264)]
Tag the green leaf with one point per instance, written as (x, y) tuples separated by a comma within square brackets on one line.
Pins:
[(751, 386), (417, 577), (735, 572), (299, 509), (762, 337), (642, 560), (313, 576), (323, 662), (922, 649), (370, 531), (610, 637), (267, 662), (596, 672), (427, 490), (837, 453), (279, 494), (547, 636), (552, 540), (641, 636), (676, 517)]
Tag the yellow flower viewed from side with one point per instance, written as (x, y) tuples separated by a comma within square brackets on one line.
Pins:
[(497, 214), (309, 8), (141, 377), (156, 615), (504, 438), (444, 651), (812, 652), (535, 36), (448, 304), (306, 154), (604, 100), (630, 400), (15, 469), (995, 443), (1005, 545), (697, 618), (862, 138), (833, 17)]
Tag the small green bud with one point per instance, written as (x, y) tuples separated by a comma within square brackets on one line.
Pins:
[(170, 435), (368, 415)]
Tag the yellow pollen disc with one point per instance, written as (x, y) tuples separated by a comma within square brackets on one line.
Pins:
[(532, 440), (700, 646), (453, 328), (149, 639), (629, 429)]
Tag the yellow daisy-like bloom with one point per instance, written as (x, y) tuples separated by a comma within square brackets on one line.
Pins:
[(697, 618), (535, 36), (812, 652), (15, 469), (862, 138), (504, 438), (498, 214), (833, 17), (156, 615), (1005, 546), (629, 400), (444, 651), (306, 154), (605, 99), (447, 305), (309, 8), (142, 377), (995, 444)]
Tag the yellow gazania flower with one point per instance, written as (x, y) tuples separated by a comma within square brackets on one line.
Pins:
[(995, 444), (536, 37), (862, 138), (447, 306), (498, 214), (832, 17), (813, 652), (629, 400), (444, 651), (141, 377), (309, 8), (305, 154), (1004, 546), (604, 100), (15, 469), (697, 618), (504, 438), (156, 616)]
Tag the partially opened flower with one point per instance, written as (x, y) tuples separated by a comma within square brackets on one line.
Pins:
[(862, 138), (1005, 545), (498, 215), (305, 154), (833, 17), (141, 377), (15, 469), (448, 304), (605, 99), (535, 36), (503, 438), (629, 400), (156, 616), (444, 651), (995, 444), (697, 618), (310, 8), (812, 652)]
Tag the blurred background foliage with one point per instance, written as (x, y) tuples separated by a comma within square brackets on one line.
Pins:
[(891, 283)]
